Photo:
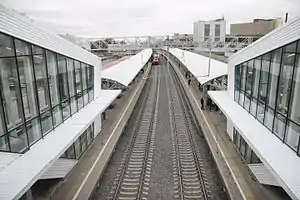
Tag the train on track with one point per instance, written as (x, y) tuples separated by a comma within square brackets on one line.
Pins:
[(155, 59)]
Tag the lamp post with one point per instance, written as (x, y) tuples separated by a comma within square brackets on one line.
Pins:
[(209, 59)]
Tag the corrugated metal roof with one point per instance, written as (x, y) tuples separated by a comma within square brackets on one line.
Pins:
[(59, 169), (262, 174), (198, 65), (14, 24), (17, 177), (282, 162), (125, 71)]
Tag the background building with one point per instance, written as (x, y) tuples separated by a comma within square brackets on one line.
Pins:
[(258, 27), (209, 30), (262, 106)]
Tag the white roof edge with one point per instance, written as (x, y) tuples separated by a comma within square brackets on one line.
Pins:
[(16, 25), (193, 62), (125, 71), (17, 177), (284, 164)]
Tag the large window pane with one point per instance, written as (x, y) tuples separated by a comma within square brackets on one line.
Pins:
[(73, 103), (260, 111), (57, 117), (53, 77), (242, 98), (292, 135), (78, 85), (18, 139), (244, 73), (256, 74), (79, 101), (65, 109), (71, 152), (71, 77), (237, 82), (83, 141), (264, 76), (247, 102), (84, 75), (91, 82), (46, 121), (6, 46), (78, 151), (2, 123), (274, 73), (4, 143), (84, 82), (27, 86), (33, 130), (78, 80), (10, 92), (41, 82), (22, 48), (285, 81), (269, 118), (249, 77), (279, 125), (294, 110), (62, 78), (91, 93), (253, 107), (90, 76), (37, 50)]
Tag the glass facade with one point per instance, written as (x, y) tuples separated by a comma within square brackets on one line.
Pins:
[(268, 87), (39, 90), (244, 149), (81, 144)]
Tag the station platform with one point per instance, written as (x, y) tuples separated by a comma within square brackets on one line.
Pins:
[(83, 178), (239, 182)]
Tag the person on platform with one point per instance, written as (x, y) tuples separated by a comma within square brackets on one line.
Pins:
[(202, 104)]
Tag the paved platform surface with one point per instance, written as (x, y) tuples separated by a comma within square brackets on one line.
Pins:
[(81, 181), (233, 169)]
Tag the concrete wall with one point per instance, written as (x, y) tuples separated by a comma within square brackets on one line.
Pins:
[(199, 30)]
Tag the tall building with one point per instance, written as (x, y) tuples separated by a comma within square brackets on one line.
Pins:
[(50, 103), (262, 106), (214, 30), (259, 27)]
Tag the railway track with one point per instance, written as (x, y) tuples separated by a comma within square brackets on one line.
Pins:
[(163, 154), (134, 173)]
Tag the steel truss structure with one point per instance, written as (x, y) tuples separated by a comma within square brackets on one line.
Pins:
[(128, 45)]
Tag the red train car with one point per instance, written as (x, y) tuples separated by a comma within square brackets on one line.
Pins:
[(156, 60)]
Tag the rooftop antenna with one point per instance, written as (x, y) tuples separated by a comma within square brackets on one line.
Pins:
[(222, 16), (286, 17)]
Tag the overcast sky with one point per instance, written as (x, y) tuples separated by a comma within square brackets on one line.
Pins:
[(101, 18)]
